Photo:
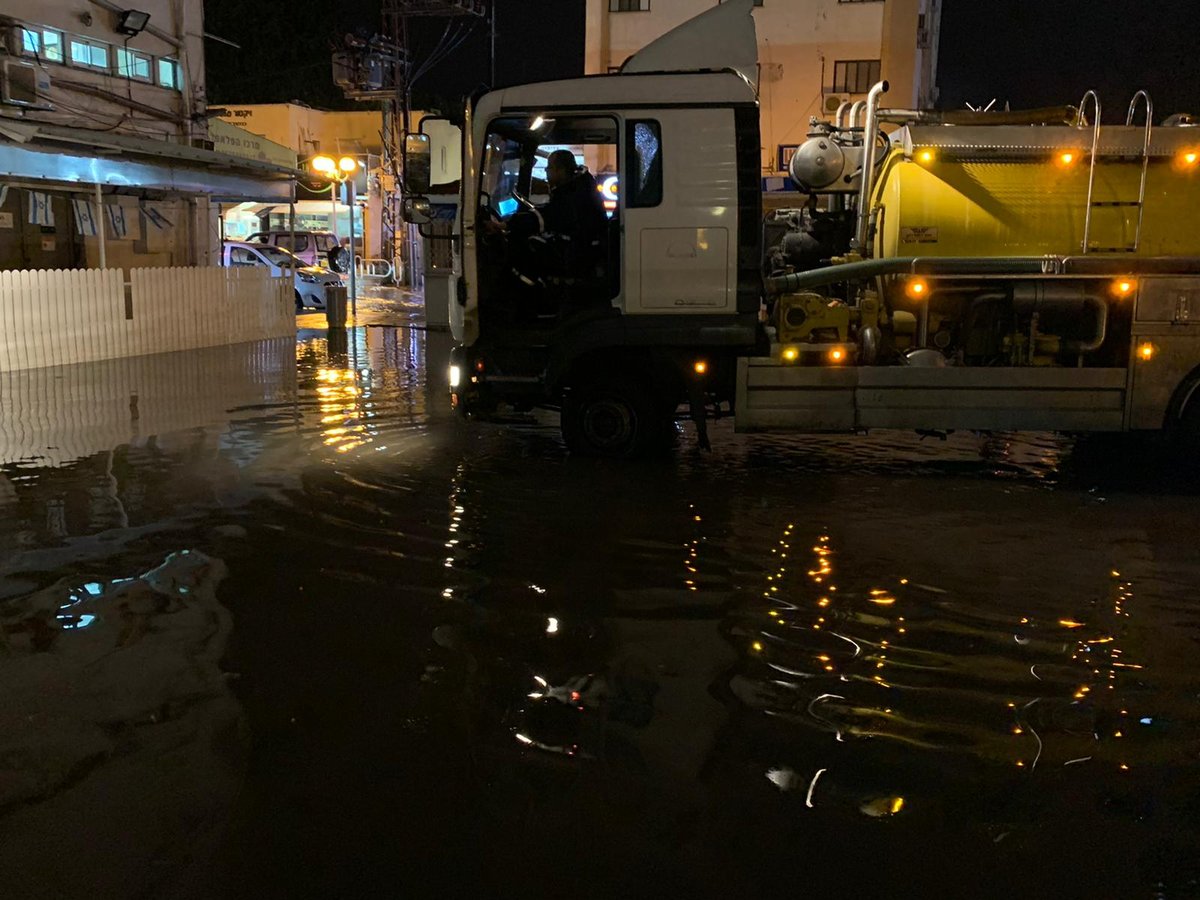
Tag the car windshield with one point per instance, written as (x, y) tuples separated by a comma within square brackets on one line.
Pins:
[(277, 256)]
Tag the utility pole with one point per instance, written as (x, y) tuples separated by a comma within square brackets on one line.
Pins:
[(382, 70), (398, 109)]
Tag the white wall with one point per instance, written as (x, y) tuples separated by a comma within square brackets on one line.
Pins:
[(63, 317)]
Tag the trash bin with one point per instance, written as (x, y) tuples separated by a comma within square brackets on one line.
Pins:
[(336, 297)]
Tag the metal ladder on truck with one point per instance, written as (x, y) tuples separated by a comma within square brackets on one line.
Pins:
[(1092, 203)]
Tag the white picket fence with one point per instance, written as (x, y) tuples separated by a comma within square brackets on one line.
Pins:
[(60, 317)]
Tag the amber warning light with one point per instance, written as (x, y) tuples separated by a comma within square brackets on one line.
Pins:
[(916, 288)]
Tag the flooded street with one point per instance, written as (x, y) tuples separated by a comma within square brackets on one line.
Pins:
[(276, 623)]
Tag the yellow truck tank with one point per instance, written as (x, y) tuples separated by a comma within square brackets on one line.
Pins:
[(979, 191)]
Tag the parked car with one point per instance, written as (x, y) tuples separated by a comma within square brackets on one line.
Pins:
[(316, 248), (311, 281)]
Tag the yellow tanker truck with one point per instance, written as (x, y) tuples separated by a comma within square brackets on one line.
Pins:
[(960, 271), (971, 271)]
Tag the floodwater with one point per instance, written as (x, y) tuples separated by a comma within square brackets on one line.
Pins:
[(278, 624)]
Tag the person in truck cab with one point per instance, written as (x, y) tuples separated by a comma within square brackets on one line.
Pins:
[(566, 238)]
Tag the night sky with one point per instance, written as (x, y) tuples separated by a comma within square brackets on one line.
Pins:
[(1048, 52), (1027, 52), (287, 56)]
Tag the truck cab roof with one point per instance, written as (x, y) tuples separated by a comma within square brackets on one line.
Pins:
[(624, 91)]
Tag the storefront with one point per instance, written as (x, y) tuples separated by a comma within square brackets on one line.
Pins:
[(78, 199), (244, 219)]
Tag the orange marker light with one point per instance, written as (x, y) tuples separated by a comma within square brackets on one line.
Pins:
[(1123, 287), (791, 354), (701, 367), (1190, 158), (1067, 158), (925, 156), (1146, 352), (836, 356), (916, 288)]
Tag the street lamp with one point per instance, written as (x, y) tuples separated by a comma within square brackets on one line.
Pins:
[(339, 171)]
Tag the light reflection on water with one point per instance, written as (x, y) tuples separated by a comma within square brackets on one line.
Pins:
[(966, 643)]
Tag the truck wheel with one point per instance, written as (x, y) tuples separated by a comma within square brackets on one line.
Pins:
[(617, 420), (1187, 432)]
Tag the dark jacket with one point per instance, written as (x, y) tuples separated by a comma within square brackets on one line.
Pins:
[(565, 238), (576, 210)]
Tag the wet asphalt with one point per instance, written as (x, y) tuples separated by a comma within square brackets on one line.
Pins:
[(406, 655)]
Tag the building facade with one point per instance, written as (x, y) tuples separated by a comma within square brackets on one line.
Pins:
[(307, 132), (812, 54), (105, 154)]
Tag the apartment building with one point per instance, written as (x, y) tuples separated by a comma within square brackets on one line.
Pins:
[(812, 54), (104, 144)]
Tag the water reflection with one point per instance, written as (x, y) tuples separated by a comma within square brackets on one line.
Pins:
[(834, 652), (452, 641)]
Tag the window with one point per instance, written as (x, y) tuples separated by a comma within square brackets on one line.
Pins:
[(855, 76), (132, 64), (243, 256), (628, 5), (645, 165), (285, 241), (168, 74), (277, 256), (784, 155), (90, 54), (44, 43), (574, 229)]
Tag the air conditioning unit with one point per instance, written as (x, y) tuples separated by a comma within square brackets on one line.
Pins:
[(24, 84), (833, 101)]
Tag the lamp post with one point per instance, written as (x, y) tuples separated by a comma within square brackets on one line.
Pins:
[(339, 172)]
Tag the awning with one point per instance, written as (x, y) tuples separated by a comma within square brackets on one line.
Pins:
[(72, 156)]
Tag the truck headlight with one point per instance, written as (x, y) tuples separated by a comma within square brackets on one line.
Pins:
[(455, 376)]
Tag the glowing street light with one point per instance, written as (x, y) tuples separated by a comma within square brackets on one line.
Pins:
[(338, 172)]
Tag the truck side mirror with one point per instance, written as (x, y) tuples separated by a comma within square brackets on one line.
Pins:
[(418, 160)]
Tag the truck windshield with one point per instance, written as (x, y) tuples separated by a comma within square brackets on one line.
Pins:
[(517, 152), (502, 173), (553, 180)]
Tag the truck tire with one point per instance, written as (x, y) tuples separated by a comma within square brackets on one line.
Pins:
[(1187, 432), (613, 420)]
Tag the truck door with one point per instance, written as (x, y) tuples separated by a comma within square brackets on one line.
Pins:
[(679, 209)]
